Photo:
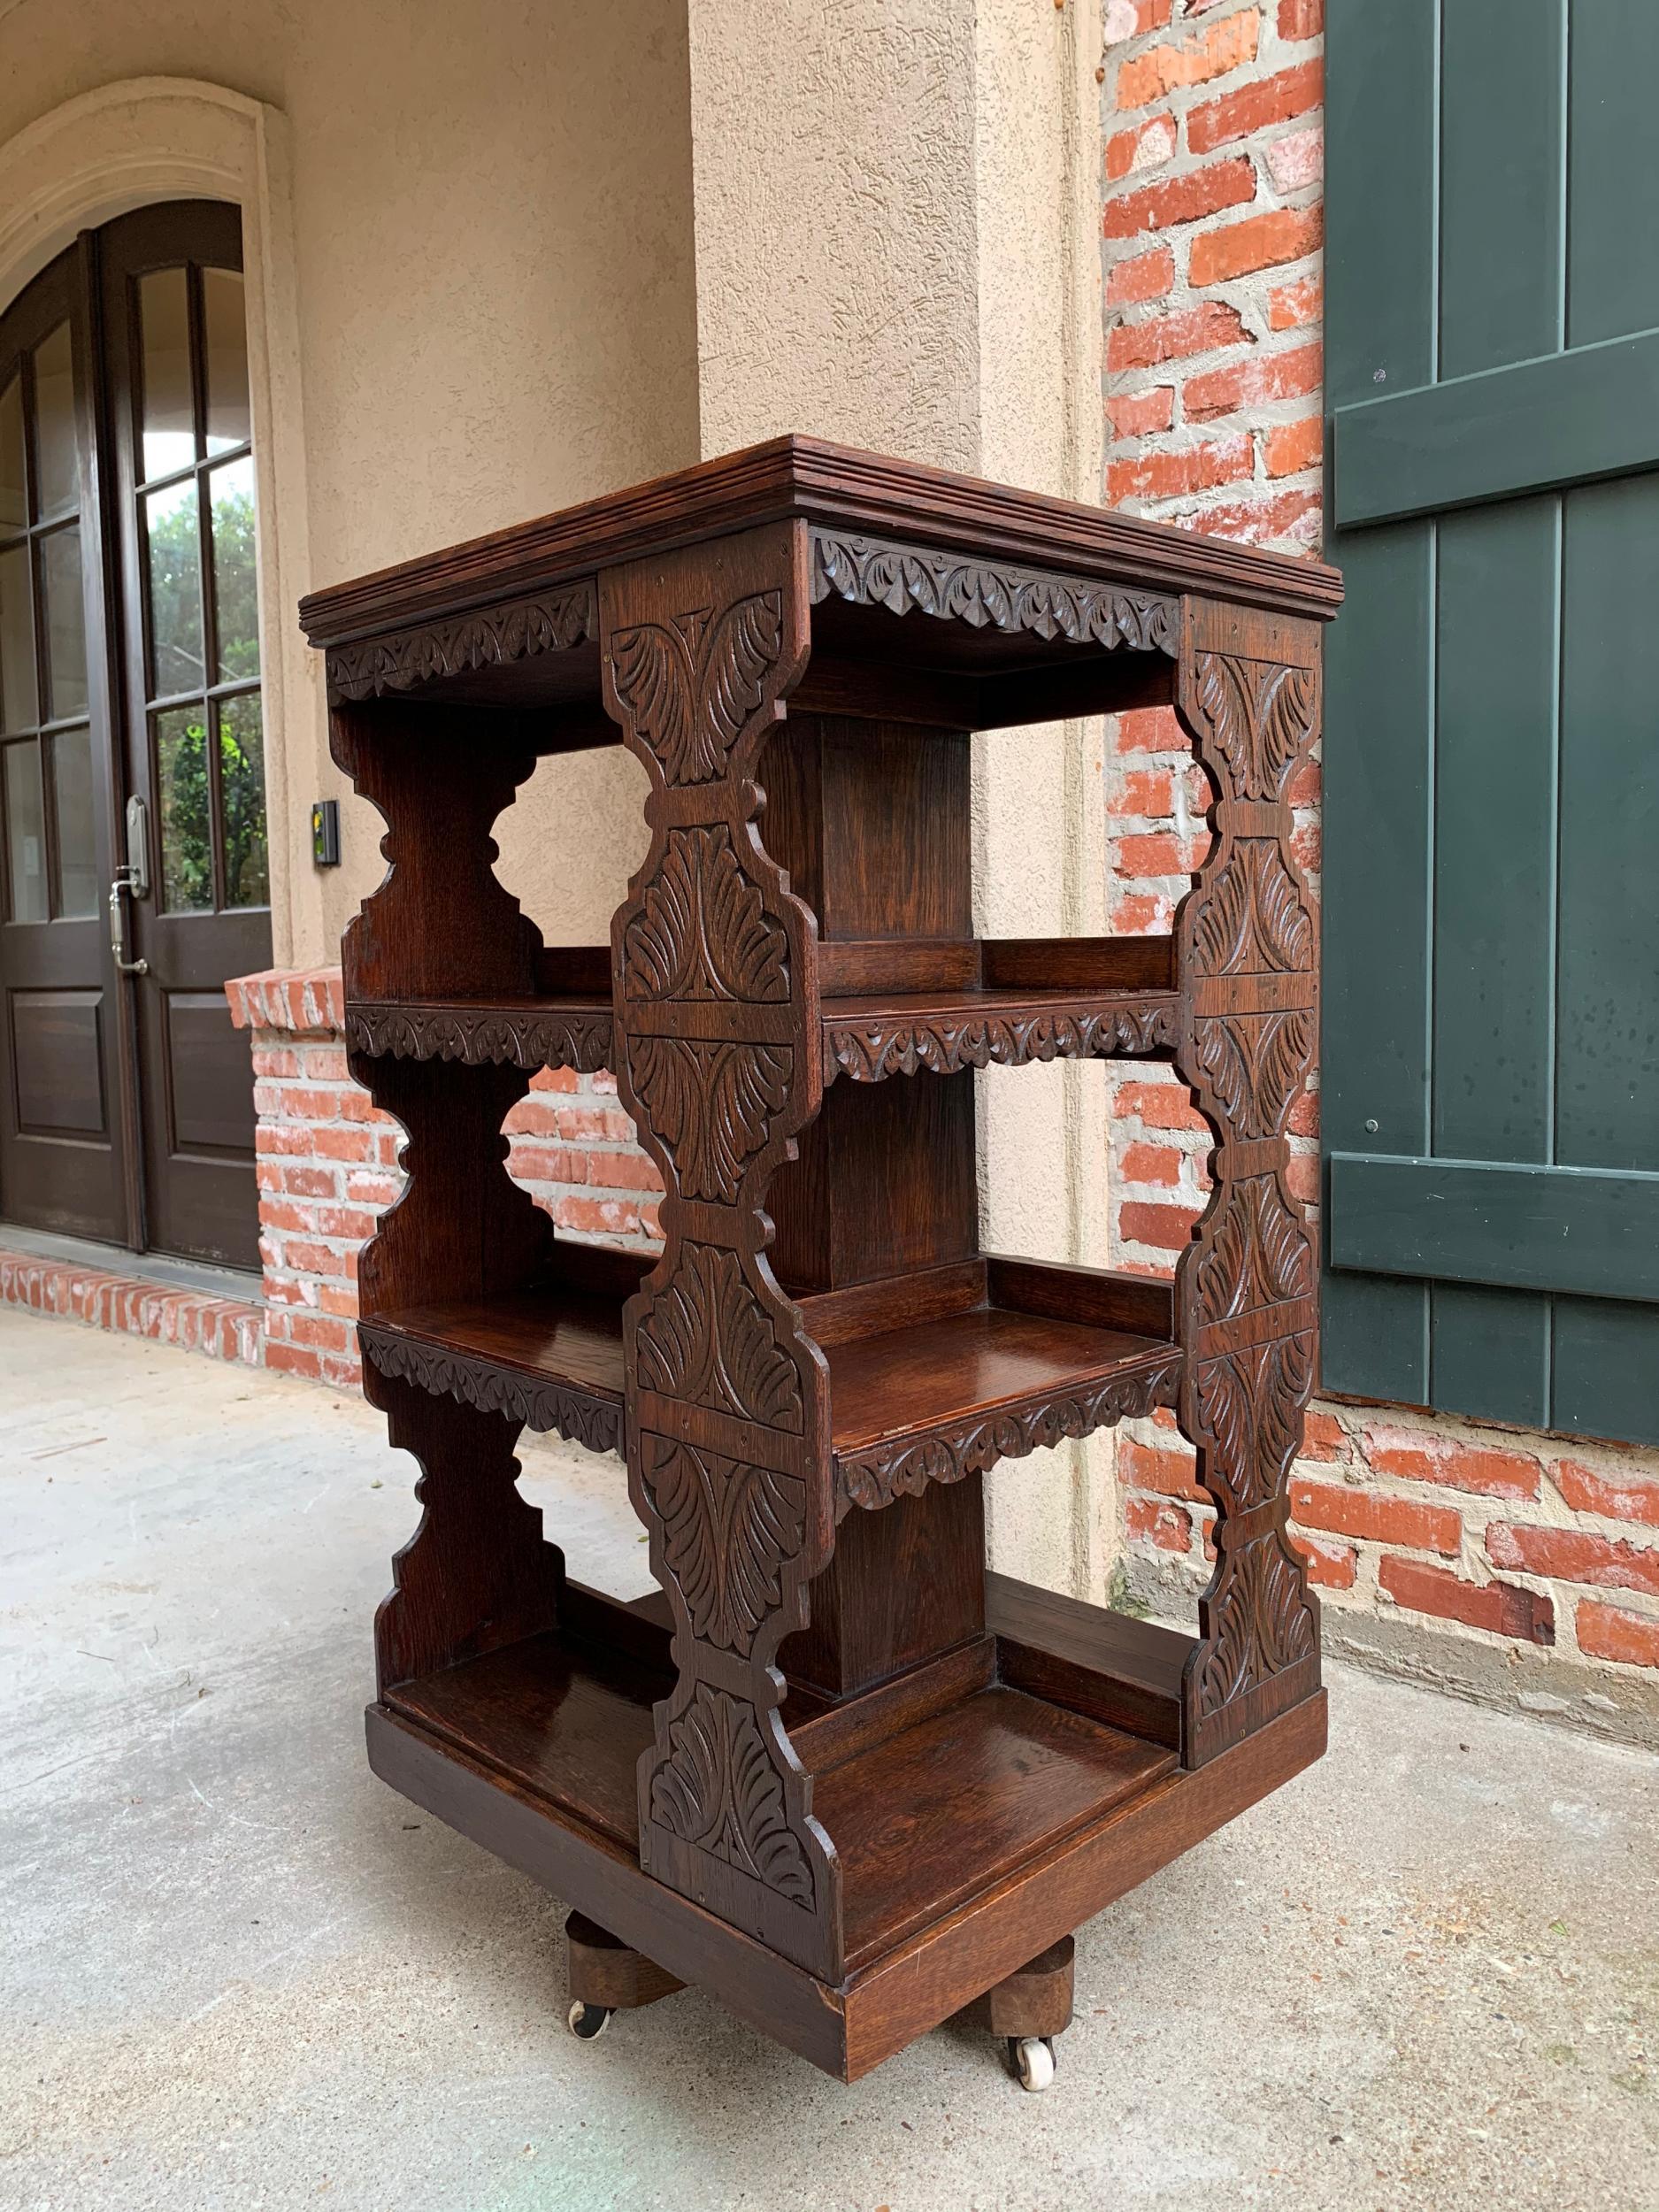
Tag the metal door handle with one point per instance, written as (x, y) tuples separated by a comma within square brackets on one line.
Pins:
[(120, 886)]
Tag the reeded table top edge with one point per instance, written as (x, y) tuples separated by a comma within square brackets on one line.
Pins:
[(832, 486)]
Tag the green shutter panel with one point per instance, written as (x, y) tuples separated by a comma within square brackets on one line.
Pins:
[(1491, 860)]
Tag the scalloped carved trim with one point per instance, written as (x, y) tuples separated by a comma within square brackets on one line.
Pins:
[(594, 1422), (717, 1788), (952, 588), (876, 1476), (871, 1052), (543, 1039), (552, 622)]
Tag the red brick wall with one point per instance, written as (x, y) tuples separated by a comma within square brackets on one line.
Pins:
[(327, 1166), (1212, 160)]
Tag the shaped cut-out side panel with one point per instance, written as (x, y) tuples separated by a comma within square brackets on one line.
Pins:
[(440, 924)]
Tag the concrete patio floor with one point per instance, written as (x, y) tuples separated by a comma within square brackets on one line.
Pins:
[(239, 1971)]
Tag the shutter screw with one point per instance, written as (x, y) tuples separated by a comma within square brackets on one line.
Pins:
[(1371, 1129)]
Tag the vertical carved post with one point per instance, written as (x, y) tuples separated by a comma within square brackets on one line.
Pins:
[(1249, 695), (476, 1573), (716, 997)]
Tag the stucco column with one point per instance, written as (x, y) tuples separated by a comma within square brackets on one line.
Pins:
[(896, 211)]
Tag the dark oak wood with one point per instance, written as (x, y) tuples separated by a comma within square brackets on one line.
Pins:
[(1124, 1671), (601, 1970), (943, 1966), (842, 488), (1038, 1999), (830, 1769)]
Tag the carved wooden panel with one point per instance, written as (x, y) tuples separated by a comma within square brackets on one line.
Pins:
[(532, 1037), (717, 1059), (474, 1381), (990, 595), (1245, 1288), (551, 622), (894, 1043), (875, 1477)]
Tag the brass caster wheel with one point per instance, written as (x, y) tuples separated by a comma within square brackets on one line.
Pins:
[(1030, 2058), (588, 2021)]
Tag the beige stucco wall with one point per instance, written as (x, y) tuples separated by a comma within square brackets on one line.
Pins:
[(493, 303), (897, 246), (505, 272)]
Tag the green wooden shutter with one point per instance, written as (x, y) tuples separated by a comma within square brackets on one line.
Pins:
[(1491, 861)]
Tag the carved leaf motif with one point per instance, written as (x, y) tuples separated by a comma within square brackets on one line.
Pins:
[(1260, 1621), (708, 1339), (717, 1788), (1288, 701), (989, 595), (703, 931), (871, 1051), (690, 699), (1253, 1065), (742, 649), (1256, 1253), (1250, 919), (552, 623), (1249, 1406), (728, 1530), (711, 1106), (1259, 715), (875, 1477)]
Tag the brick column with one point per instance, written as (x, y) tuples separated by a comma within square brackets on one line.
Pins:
[(327, 1166)]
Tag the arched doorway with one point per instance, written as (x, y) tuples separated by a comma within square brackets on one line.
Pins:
[(133, 858)]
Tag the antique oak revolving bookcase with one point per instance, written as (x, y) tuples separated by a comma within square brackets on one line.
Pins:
[(832, 1770)]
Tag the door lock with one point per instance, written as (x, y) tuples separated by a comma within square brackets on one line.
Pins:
[(138, 848), (122, 887)]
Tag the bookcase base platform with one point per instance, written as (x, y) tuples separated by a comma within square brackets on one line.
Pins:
[(1112, 1841), (830, 1770)]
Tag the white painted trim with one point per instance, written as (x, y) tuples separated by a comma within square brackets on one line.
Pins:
[(171, 138)]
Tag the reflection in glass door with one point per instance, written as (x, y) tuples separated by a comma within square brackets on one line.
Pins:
[(197, 513), (51, 869), (195, 726)]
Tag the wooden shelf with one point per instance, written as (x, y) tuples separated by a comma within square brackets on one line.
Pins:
[(552, 1359), (889, 1008), (928, 1816), (947, 1398), (940, 1396)]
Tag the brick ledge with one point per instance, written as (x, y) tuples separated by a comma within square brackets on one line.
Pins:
[(222, 1328), (299, 1001)]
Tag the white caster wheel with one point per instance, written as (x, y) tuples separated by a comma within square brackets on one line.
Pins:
[(588, 2021), (1032, 2058)]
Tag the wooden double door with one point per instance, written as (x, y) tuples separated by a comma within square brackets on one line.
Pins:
[(134, 871)]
